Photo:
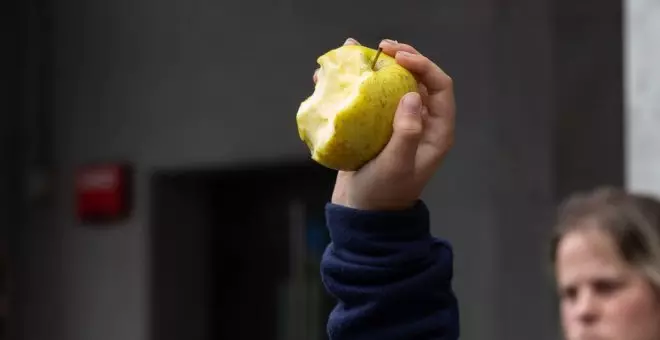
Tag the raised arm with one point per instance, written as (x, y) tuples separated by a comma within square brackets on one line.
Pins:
[(391, 278)]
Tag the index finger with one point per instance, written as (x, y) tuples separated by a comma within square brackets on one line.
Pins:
[(430, 74), (391, 47)]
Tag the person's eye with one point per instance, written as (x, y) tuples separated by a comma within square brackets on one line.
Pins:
[(606, 286), (568, 293)]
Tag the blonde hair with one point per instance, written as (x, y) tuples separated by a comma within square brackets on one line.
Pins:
[(632, 220)]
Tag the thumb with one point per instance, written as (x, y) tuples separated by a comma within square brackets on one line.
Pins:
[(407, 133)]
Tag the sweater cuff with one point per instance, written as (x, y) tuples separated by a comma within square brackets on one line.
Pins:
[(350, 227)]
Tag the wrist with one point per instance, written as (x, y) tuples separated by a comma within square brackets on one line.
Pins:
[(341, 219), (375, 205), (381, 204)]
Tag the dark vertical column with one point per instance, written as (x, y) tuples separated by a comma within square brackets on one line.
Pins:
[(180, 295), (589, 94), (28, 150), (12, 158), (523, 190)]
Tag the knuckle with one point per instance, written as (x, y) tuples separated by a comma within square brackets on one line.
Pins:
[(409, 48), (409, 127)]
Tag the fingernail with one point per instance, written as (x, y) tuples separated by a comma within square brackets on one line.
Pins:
[(390, 41), (350, 41), (412, 103), (404, 54)]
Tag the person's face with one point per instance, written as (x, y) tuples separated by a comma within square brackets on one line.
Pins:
[(602, 297)]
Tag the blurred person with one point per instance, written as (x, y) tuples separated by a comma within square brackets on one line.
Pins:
[(606, 256), (392, 279)]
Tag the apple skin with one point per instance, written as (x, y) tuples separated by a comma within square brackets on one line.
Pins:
[(360, 120)]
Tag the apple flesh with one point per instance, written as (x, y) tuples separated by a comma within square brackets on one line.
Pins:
[(347, 121)]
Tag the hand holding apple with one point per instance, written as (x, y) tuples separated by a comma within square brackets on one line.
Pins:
[(348, 119), (423, 133)]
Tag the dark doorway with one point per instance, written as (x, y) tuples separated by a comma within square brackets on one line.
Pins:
[(236, 253)]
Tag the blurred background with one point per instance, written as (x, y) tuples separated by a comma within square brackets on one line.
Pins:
[(218, 228)]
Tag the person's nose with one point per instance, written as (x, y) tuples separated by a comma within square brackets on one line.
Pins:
[(586, 307)]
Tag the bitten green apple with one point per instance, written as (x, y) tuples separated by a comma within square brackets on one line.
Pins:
[(347, 121)]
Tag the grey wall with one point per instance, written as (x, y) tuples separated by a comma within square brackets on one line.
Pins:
[(642, 32), (198, 83)]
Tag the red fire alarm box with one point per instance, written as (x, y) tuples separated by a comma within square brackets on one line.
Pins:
[(103, 192)]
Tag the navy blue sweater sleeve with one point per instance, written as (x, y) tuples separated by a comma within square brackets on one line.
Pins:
[(391, 278)]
